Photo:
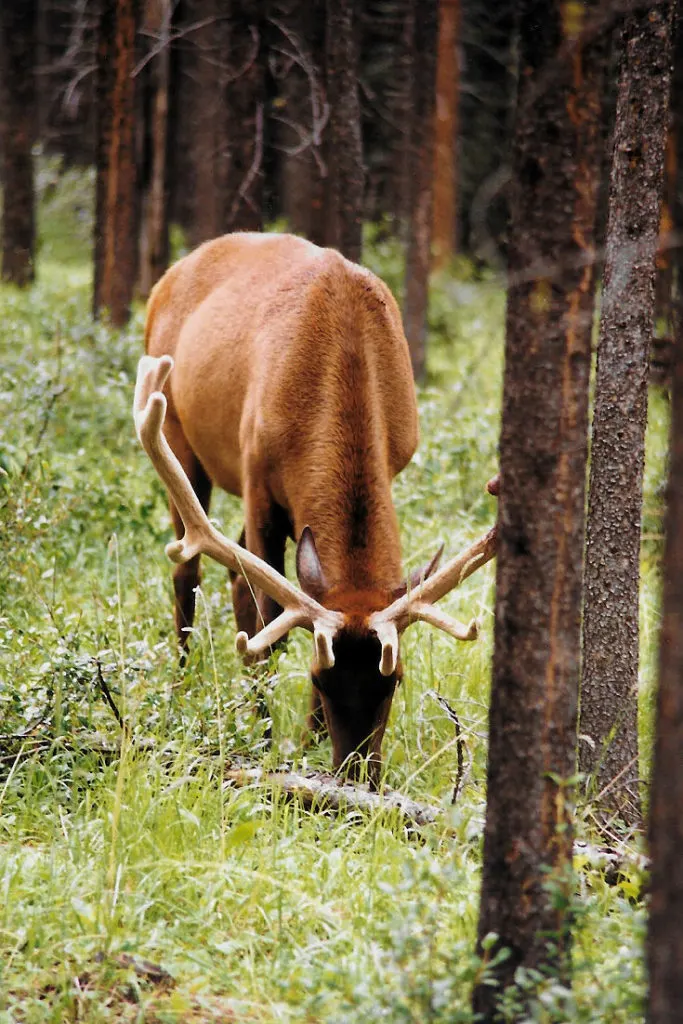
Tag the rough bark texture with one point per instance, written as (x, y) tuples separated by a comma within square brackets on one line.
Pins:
[(609, 693), (154, 241), (528, 834), (343, 149), (18, 23), (245, 103), (421, 182), (446, 128), (665, 933), (115, 200)]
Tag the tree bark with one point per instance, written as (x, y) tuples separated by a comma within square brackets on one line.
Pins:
[(65, 83), (665, 929), (609, 693), (343, 148), (446, 130), (18, 121), (245, 102), (115, 194), (532, 725), (209, 118), (421, 183), (154, 236), (487, 100), (300, 114)]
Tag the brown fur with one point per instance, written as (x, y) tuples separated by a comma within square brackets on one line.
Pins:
[(292, 387)]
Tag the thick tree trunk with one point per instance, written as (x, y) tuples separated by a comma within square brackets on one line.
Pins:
[(421, 183), (116, 206), (532, 742), (245, 103), (609, 693), (18, 121), (154, 239), (446, 129), (343, 148), (665, 933)]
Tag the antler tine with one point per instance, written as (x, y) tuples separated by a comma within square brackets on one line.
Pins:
[(435, 617), (417, 603), (200, 536)]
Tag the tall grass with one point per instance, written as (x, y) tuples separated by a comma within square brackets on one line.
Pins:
[(258, 909)]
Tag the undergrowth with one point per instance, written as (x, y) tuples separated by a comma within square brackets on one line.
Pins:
[(257, 909)]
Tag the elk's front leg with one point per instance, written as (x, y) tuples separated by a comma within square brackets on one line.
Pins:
[(265, 534), (243, 603), (186, 577)]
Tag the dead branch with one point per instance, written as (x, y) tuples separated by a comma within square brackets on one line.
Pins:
[(459, 741), (322, 791), (106, 693)]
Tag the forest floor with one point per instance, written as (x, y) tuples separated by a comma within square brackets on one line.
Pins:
[(141, 887)]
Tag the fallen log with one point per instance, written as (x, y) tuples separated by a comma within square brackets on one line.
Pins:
[(322, 791)]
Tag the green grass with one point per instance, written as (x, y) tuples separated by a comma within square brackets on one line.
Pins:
[(259, 909)]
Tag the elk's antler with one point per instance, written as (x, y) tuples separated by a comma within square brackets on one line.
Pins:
[(201, 537), (418, 604)]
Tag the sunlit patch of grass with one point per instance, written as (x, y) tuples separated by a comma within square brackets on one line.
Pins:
[(259, 909)]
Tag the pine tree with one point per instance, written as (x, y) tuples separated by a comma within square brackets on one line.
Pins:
[(18, 126), (420, 181), (543, 449), (609, 691), (116, 195)]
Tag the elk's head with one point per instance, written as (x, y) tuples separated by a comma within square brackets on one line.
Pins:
[(356, 663)]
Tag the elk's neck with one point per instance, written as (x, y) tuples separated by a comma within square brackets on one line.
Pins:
[(348, 502), (356, 534)]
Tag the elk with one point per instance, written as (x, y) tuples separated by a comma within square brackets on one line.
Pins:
[(279, 371)]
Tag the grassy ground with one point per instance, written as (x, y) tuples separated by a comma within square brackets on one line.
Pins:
[(258, 909)]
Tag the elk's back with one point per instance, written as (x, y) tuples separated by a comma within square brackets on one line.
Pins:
[(290, 361)]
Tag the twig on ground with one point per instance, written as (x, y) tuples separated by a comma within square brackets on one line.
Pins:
[(151, 972), (107, 694), (459, 741)]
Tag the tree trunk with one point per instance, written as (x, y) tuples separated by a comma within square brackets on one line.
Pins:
[(401, 110), (209, 118), (154, 239), (609, 693), (300, 114), (421, 183), (532, 725), (245, 102), (665, 931), (18, 121), (446, 130), (115, 199), (343, 149), (485, 117), (65, 83)]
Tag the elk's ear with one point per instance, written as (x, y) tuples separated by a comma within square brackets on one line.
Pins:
[(418, 575), (309, 571)]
